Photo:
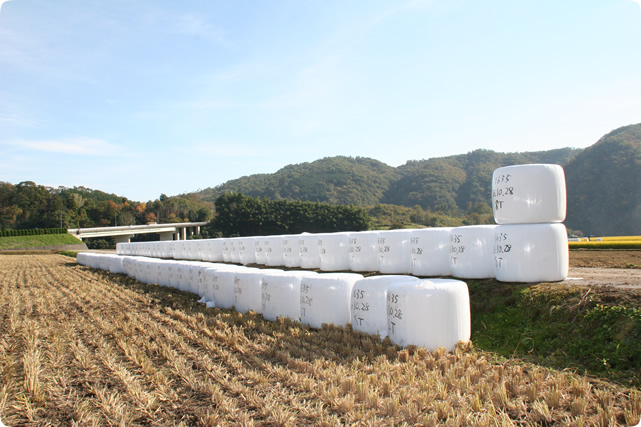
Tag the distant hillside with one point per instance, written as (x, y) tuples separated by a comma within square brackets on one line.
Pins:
[(604, 185), (339, 180), (448, 184)]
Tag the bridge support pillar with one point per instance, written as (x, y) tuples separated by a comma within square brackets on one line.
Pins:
[(123, 239), (183, 233), (167, 236)]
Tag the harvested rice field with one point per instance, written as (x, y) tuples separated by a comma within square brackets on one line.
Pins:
[(84, 347)]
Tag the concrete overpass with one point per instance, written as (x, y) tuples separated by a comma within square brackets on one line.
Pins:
[(122, 234)]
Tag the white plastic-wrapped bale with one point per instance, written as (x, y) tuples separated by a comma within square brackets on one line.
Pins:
[(192, 249), (195, 279), (274, 251), (247, 250), (369, 303), (526, 194), (363, 251), (208, 280), (213, 250), (152, 270), (471, 255), (115, 266), (82, 258), (259, 250), (430, 251), (325, 298), (234, 255), (155, 250), (291, 255), (281, 294), (531, 253), (129, 265), (172, 274), (226, 245), (121, 248), (308, 250), (248, 289), (394, 251), (222, 280), (333, 250), (429, 313), (178, 249), (163, 272), (183, 276)]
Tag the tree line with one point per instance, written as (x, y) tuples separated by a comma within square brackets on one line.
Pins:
[(27, 205)]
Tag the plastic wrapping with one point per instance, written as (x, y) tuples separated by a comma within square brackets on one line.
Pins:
[(325, 298), (363, 251), (531, 253), (429, 313), (430, 251), (274, 251), (333, 251), (247, 250), (291, 255), (471, 252), (394, 251), (369, 303), (248, 289), (525, 194), (281, 294), (259, 250), (308, 250)]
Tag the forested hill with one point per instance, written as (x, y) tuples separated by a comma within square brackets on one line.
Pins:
[(448, 184), (339, 180), (604, 185)]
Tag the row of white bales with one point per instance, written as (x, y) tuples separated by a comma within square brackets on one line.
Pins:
[(430, 313), (529, 244)]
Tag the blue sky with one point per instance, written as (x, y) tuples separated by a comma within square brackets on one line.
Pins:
[(145, 97)]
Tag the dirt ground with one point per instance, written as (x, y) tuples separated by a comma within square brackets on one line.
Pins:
[(617, 268)]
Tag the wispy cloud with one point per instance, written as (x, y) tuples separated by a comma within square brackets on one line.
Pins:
[(75, 146), (196, 26), (637, 2), (227, 149)]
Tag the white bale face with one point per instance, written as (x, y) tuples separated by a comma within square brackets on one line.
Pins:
[(128, 265), (213, 250), (363, 251), (163, 272), (274, 251), (172, 274), (259, 250), (430, 249), (525, 194), (394, 251), (116, 265), (195, 277), (281, 294), (175, 249), (308, 250), (291, 255), (471, 252), (155, 249), (152, 271), (226, 246), (531, 253), (234, 256), (325, 298), (223, 286), (247, 250), (207, 277), (333, 250), (183, 276), (429, 313), (369, 303), (104, 261), (247, 289)]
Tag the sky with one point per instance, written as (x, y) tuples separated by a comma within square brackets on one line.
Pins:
[(144, 97)]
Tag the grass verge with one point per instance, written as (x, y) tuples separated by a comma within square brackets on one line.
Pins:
[(18, 242), (589, 330)]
